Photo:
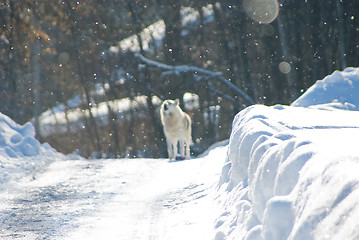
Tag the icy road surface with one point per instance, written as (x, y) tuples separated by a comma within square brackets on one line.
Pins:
[(114, 199)]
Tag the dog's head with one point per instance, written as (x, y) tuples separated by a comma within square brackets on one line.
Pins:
[(169, 106)]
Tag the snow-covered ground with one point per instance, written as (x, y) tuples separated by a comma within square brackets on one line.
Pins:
[(288, 172), (113, 199)]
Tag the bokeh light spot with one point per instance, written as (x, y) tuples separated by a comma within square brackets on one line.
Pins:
[(262, 11), (284, 67), (64, 57)]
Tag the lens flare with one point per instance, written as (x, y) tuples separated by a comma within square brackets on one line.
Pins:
[(284, 67), (262, 11), (64, 57)]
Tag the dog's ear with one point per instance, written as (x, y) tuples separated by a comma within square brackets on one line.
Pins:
[(177, 101)]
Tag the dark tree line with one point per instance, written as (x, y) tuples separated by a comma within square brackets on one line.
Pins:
[(53, 51)]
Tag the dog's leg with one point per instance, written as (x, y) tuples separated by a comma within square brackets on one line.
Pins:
[(181, 142), (175, 148), (170, 149), (188, 153)]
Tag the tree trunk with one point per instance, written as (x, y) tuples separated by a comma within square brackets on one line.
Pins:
[(292, 94), (172, 46), (341, 37), (36, 90), (93, 125)]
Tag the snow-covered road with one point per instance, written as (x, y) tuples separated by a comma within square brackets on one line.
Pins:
[(290, 172), (114, 199)]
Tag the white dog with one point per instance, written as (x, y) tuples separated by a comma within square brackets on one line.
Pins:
[(177, 128)]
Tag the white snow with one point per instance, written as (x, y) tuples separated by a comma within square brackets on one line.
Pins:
[(152, 34), (292, 168), (288, 172), (339, 90), (20, 152), (291, 172), (56, 120)]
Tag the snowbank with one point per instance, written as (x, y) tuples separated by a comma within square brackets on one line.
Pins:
[(18, 141), (292, 172), (339, 90), (20, 152)]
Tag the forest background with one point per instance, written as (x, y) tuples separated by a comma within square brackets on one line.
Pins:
[(55, 51)]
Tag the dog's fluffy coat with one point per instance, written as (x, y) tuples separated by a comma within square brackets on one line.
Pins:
[(177, 128)]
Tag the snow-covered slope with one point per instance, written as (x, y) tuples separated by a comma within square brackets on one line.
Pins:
[(20, 152), (292, 172)]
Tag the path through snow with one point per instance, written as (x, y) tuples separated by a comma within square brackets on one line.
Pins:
[(114, 199)]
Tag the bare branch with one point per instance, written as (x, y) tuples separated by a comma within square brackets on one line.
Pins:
[(196, 70)]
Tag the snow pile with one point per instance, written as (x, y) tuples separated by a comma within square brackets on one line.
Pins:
[(18, 141), (20, 152), (292, 172), (339, 90)]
